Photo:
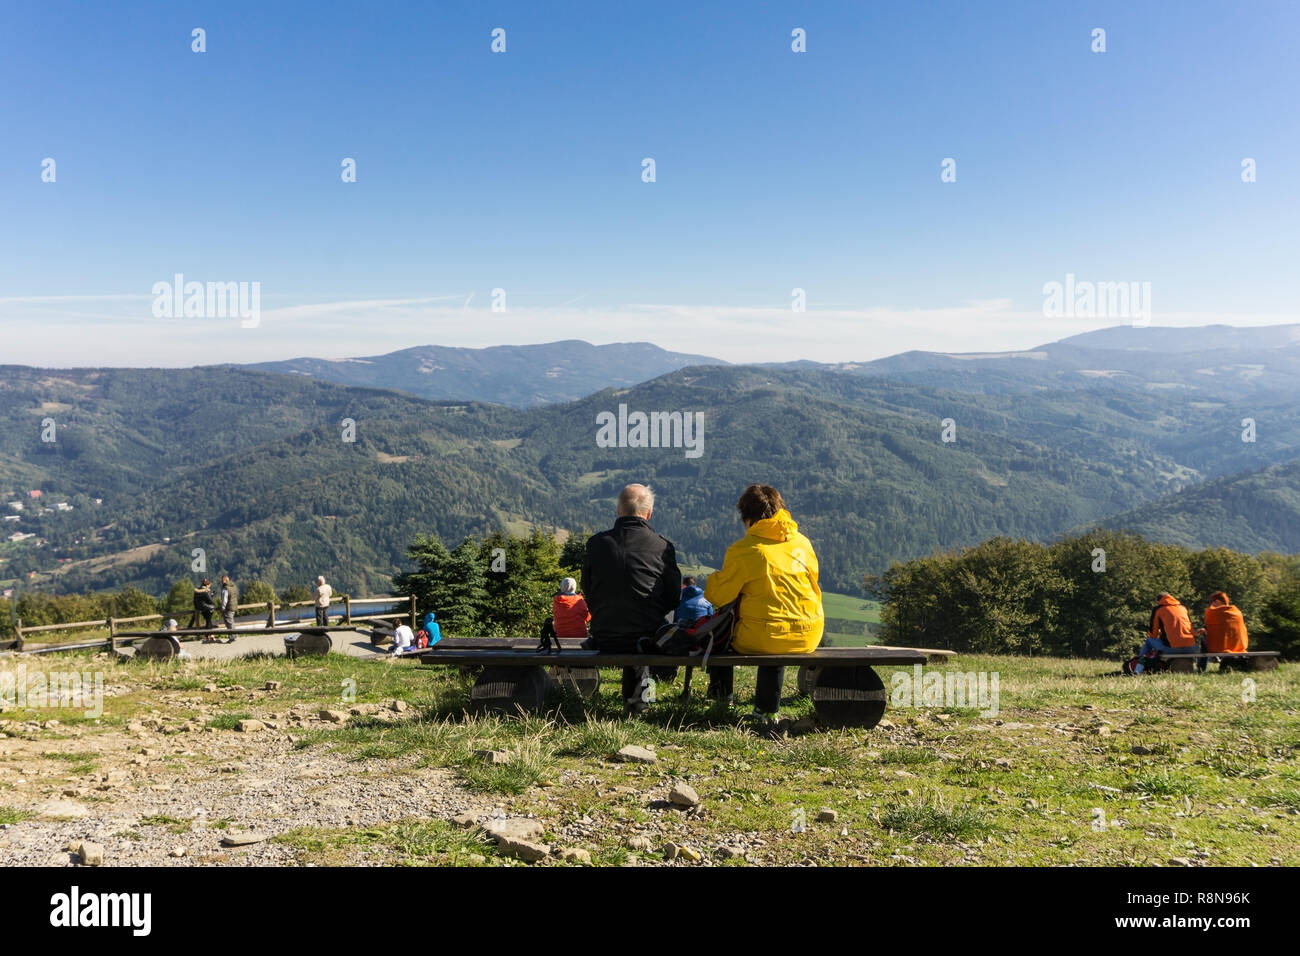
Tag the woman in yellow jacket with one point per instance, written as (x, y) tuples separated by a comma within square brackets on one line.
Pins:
[(773, 571)]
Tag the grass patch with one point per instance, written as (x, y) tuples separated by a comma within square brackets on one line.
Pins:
[(403, 843), (814, 752), (530, 763), (935, 818), (229, 720), (1162, 783), (174, 824), (600, 738), (10, 815), (79, 761), (909, 756)]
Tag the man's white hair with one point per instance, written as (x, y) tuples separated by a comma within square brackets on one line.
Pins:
[(635, 500)]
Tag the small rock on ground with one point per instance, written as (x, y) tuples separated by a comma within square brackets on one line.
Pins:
[(683, 795), (634, 754)]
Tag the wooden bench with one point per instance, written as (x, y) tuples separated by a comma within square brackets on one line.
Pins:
[(1238, 661), (845, 691), (586, 681)]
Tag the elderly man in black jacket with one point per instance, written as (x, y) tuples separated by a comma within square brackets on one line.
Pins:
[(630, 580)]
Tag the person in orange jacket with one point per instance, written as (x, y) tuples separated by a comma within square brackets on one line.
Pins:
[(1170, 631), (569, 611), (1225, 628)]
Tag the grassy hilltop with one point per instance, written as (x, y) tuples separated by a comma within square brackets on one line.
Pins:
[(1076, 768)]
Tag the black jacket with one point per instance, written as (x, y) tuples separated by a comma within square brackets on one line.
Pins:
[(203, 600), (630, 580)]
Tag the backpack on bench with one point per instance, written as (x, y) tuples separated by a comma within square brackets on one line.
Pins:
[(710, 634)]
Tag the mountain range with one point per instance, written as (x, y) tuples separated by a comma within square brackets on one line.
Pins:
[(1134, 428), (518, 375)]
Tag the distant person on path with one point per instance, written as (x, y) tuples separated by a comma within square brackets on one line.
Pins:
[(176, 644), (229, 602), (403, 638), (322, 592), (773, 571), (1225, 629), (1170, 632), (631, 581), (693, 605), (204, 606), (569, 611)]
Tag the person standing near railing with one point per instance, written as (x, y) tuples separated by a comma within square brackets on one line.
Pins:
[(229, 602), (204, 606), (322, 593)]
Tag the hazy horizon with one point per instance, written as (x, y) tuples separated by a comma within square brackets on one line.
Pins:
[(780, 350)]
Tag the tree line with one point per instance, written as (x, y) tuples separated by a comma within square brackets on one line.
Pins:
[(1088, 595)]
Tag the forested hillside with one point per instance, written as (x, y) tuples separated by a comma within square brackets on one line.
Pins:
[(518, 375), (257, 469)]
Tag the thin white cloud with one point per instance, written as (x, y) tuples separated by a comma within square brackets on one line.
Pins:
[(108, 329)]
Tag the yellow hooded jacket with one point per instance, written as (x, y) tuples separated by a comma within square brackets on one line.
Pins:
[(773, 570)]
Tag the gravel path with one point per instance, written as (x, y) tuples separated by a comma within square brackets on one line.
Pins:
[(352, 643), (254, 782)]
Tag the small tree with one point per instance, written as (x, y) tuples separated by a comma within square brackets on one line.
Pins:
[(1281, 622), (256, 592), (451, 584), (574, 553), (180, 599), (133, 602), (295, 592)]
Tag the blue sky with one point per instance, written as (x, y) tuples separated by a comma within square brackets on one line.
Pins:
[(522, 171)]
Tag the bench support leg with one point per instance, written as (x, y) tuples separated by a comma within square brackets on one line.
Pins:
[(510, 690), (584, 681), (807, 679), (849, 697), (313, 644), (155, 649)]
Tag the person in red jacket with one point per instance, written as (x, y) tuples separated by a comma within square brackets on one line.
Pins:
[(569, 611), (1170, 631)]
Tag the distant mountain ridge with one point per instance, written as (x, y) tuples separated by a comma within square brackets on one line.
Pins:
[(521, 376), (1255, 511), (1211, 363)]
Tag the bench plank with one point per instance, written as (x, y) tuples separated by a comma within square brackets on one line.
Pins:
[(827, 657), (1228, 660)]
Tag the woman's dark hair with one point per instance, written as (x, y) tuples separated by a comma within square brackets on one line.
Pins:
[(758, 502), (1219, 596)]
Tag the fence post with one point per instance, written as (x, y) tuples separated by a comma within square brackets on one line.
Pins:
[(270, 613), (413, 624), (18, 634), (347, 609), (112, 635)]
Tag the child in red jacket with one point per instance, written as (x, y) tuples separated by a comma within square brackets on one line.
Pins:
[(569, 611)]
